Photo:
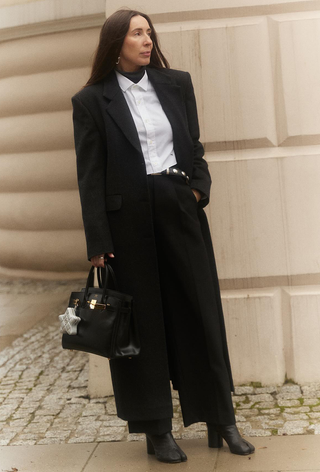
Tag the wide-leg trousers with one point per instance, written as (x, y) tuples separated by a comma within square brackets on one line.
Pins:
[(188, 294)]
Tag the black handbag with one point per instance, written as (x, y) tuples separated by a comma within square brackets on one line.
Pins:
[(106, 323)]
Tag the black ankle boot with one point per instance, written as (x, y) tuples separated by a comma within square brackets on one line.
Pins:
[(165, 448), (231, 435)]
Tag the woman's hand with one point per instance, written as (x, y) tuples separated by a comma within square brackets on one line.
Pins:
[(101, 259), (197, 194)]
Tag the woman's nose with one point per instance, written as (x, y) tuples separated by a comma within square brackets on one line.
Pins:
[(148, 40)]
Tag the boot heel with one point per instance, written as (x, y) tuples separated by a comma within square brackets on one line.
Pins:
[(214, 438), (150, 448)]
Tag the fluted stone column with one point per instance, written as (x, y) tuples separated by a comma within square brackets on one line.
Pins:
[(45, 58)]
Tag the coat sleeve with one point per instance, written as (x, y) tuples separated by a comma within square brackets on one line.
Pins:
[(201, 179), (91, 169)]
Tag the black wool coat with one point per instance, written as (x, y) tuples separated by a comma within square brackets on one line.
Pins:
[(117, 218)]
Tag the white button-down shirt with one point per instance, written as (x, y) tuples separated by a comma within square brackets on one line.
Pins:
[(153, 126)]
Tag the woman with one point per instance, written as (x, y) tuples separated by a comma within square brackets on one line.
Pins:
[(143, 184)]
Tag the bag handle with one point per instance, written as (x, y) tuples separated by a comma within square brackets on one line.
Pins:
[(103, 274)]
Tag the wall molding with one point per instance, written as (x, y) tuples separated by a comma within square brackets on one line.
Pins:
[(260, 153), (278, 281), (237, 12), (49, 27)]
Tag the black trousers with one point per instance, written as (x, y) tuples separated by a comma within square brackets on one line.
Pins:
[(186, 289)]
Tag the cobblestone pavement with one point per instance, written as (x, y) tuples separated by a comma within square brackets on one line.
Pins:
[(44, 399)]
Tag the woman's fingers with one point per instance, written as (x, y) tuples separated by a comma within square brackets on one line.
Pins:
[(98, 261), (197, 194), (101, 259)]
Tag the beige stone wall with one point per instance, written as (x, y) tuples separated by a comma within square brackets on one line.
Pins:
[(40, 218), (256, 72)]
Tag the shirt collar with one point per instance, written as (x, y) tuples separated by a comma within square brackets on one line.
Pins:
[(126, 83)]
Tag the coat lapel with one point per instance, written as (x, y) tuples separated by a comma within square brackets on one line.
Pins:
[(169, 95), (118, 109), (172, 102)]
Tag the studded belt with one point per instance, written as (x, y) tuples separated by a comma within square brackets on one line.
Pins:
[(173, 171)]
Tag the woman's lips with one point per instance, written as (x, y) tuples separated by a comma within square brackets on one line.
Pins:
[(147, 53)]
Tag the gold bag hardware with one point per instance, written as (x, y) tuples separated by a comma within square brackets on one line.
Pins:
[(94, 305)]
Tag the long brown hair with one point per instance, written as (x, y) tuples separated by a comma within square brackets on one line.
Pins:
[(112, 36)]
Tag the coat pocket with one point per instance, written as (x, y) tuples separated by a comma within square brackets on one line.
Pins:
[(113, 202)]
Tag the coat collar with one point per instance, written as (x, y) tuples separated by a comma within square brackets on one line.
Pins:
[(168, 93)]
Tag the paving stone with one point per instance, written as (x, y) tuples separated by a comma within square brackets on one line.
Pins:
[(314, 415), (262, 397), (293, 427), (315, 428), (26, 413), (23, 442), (37, 428), (269, 389), (197, 427), (100, 400), (311, 391), (16, 423), (82, 439), (239, 398), (136, 437), (311, 401), (271, 411), (114, 421), (240, 418), (292, 416), (48, 412), (301, 409), (249, 412), (245, 428), (62, 435), (88, 420), (273, 423), (288, 403), (28, 437), (47, 441), (176, 426), (4, 441), (83, 401), (111, 407), (316, 408), (94, 409), (91, 430), (243, 390), (258, 432), (266, 404), (245, 406), (193, 434), (71, 410), (290, 388), (288, 396)]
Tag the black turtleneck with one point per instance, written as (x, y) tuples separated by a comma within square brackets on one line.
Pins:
[(133, 76)]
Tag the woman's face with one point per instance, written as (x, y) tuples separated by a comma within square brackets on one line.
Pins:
[(137, 45)]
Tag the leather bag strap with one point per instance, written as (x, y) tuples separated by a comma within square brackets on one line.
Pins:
[(105, 275)]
